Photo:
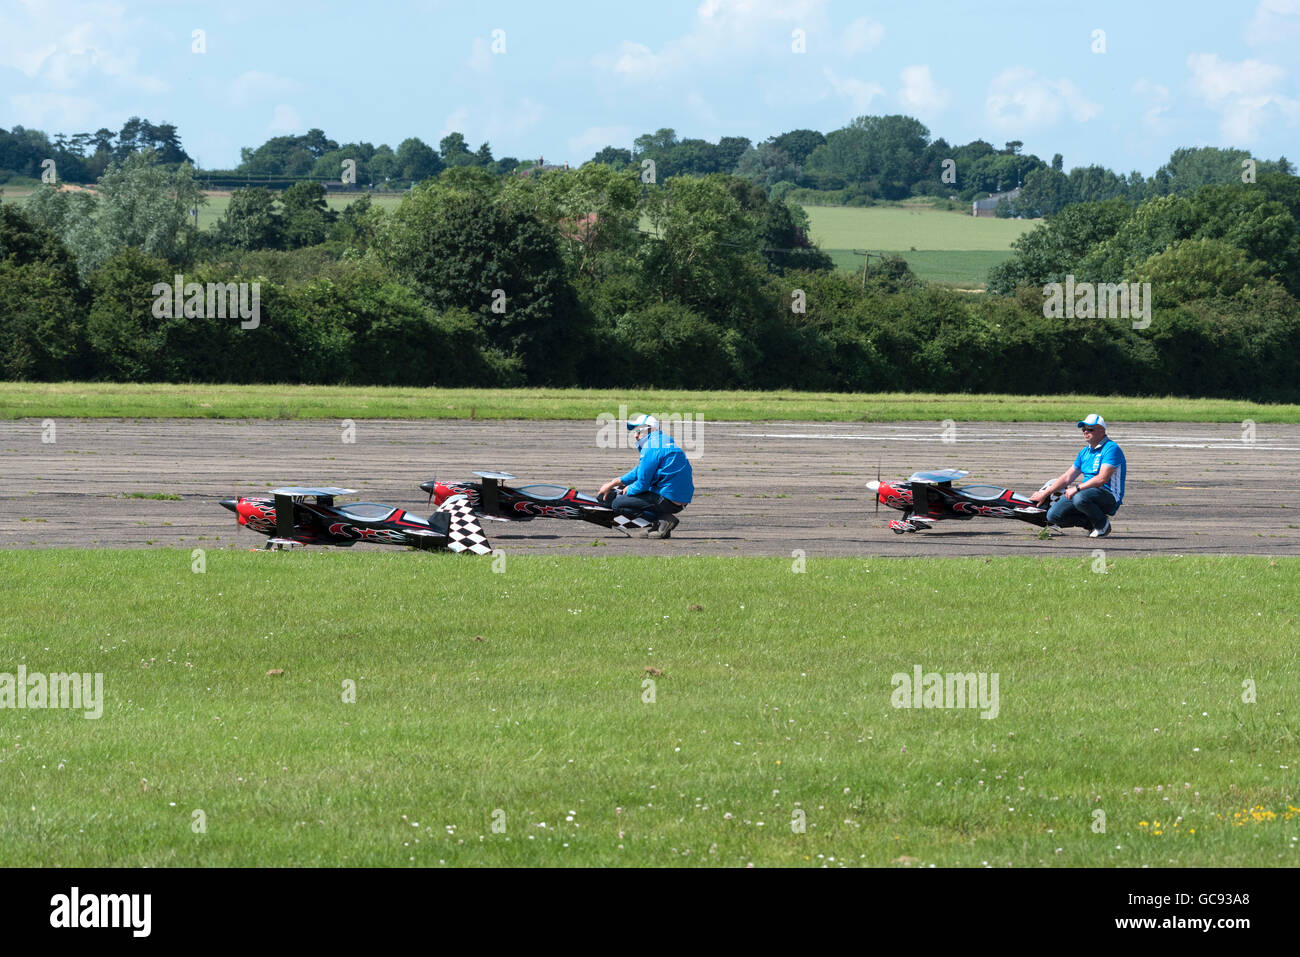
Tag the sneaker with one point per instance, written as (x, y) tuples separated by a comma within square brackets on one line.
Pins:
[(648, 530), (666, 526), (1100, 532)]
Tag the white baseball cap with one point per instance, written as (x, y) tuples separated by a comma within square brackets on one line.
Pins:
[(1093, 419), (642, 422)]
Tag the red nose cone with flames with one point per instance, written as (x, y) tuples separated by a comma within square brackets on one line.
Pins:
[(441, 493), (885, 494)]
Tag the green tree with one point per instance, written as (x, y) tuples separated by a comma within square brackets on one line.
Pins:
[(767, 165), (416, 161), (42, 302), (307, 217), (1193, 269), (141, 202), (468, 249), (613, 156), (251, 221), (1045, 192), (798, 144)]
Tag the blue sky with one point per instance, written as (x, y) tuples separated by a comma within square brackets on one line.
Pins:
[(572, 77)]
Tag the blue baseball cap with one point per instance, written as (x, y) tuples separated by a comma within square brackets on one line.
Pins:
[(1093, 419)]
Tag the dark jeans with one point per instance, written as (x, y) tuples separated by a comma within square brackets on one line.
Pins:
[(1088, 509), (634, 505)]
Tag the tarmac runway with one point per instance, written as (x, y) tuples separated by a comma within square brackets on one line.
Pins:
[(761, 488)]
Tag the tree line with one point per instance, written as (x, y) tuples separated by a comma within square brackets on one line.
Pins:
[(869, 160), (594, 277)]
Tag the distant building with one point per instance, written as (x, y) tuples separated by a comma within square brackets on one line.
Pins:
[(984, 208), (541, 166)]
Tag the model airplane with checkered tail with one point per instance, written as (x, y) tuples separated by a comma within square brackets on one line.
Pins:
[(495, 501), (930, 497), (302, 515)]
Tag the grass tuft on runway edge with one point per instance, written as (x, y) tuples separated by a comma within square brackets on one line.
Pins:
[(160, 400), (519, 697)]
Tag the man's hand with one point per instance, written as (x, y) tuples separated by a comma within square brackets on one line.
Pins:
[(604, 489)]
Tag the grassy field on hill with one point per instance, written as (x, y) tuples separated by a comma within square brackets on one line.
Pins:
[(940, 245)]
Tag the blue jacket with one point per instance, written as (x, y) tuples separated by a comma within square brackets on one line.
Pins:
[(663, 469)]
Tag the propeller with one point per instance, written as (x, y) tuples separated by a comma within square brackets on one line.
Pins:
[(875, 487)]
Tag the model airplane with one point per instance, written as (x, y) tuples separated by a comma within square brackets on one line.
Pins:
[(929, 497), (493, 500), (300, 515)]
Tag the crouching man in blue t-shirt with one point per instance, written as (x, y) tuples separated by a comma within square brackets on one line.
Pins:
[(661, 483), (1090, 502)]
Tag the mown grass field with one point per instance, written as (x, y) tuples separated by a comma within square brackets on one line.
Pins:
[(162, 400), (910, 227), (219, 201), (941, 246), (521, 698), (962, 268)]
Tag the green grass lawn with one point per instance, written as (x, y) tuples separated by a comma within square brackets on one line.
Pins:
[(940, 245), (521, 698), (218, 202), (161, 400), (908, 227), (966, 268)]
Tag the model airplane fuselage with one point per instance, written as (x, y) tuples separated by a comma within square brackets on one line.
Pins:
[(929, 497)]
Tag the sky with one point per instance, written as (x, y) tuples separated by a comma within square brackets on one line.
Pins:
[(1121, 84)]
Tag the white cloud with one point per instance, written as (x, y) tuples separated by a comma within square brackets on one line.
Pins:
[(52, 110), (722, 31), (285, 119), (858, 92), (494, 124), (1020, 99), (75, 45), (594, 138), (480, 56), (700, 107), (1244, 94), (1275, 21), (254, 85), (861, 35), (919, 93), (1154, 120)]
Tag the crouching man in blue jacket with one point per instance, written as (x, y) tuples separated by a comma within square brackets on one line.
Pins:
[(661, 482)]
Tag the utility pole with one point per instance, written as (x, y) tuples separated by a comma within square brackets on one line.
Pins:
[(866, 259)]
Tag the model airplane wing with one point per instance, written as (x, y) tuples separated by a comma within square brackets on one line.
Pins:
[(939, 477)]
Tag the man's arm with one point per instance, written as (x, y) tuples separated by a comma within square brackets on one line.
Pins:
[(1054, 486), (1097, 481), (622, 480)]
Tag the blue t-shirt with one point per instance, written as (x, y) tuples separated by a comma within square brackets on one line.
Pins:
[(1089, 462)]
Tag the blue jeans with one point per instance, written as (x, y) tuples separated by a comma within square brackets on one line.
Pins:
[(634, 505), (1088, 509)]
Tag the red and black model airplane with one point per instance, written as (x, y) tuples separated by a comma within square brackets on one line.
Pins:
[(300, 515), (491, 499), (929, 497)]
